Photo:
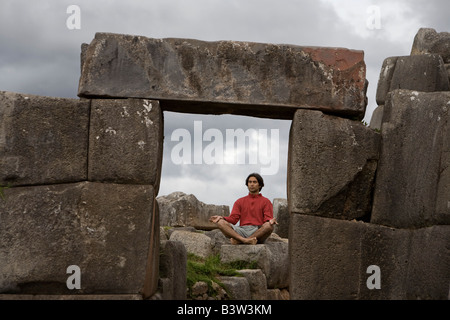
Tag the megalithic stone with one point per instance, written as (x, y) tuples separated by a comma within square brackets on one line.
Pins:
[(126, 141), (109, 231), (331, 166), (266, 80), (330, 259), (413, 176), (418, 72), (427, 40), (43, 140)]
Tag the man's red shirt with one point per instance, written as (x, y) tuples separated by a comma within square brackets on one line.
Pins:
[(251, 210)]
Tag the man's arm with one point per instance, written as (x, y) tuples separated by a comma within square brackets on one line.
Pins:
[(233, 218), (268, 213), (235, 214)]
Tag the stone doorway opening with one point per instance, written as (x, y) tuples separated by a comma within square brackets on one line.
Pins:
[(210, 156), (205, 161)]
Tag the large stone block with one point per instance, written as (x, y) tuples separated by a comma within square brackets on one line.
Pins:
[(237, 287), (195, 242), (422, 73), (330, 259), (377, 118), (418, 72), (427, 40), (42, 139), (106, 230), (281, 213), (272, 258), (173, 268), (126, 141), (179, 209), (331, 166), (257, 281), (256, 79), (413, 177), (384, 80)]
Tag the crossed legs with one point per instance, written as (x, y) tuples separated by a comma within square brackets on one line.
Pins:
[(259, 236)]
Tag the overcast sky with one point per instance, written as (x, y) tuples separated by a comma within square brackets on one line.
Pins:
[(40, 55)]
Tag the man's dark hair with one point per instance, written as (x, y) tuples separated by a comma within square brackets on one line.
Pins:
[(258, 177)]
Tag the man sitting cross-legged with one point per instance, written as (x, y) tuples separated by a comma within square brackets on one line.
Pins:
[(254, 212)]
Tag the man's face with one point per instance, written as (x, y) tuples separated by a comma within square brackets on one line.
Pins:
[(253, 185)]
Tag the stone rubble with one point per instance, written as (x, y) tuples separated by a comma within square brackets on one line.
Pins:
[(269, 279)]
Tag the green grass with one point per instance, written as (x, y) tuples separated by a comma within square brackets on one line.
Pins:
[(209, 269)]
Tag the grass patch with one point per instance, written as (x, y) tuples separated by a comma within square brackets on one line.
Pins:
[(209, 269)]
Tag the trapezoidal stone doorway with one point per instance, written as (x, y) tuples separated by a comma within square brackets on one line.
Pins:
[(110, 220), (332, 159)]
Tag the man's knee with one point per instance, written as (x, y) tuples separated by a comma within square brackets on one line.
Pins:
[(268, 226), (222, 223)]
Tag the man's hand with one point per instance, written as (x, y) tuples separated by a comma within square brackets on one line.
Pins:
[(215, 219), (273, 221)]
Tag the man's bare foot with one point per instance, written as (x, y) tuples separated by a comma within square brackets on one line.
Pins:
[(246, 241), (251, 241), (234, 241)]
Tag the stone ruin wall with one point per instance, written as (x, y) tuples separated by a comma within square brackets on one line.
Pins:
[(84, 173)]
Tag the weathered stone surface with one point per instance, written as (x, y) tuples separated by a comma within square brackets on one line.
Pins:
[(179, 209), (420, 72), (199, 288), (271, 257), (281, 213), (237, 287), (195, 242), (384, 80), (413, 178), (377, 118), (126, 141), (173, 267), (427, 40), (329, 260), (42, 139), (277, 294), (104, 229), (331, 166), (218, 239), (266, 80), (152, 264), (257, 282)]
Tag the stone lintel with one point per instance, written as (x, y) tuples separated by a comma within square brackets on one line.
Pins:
[(247, 78)]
